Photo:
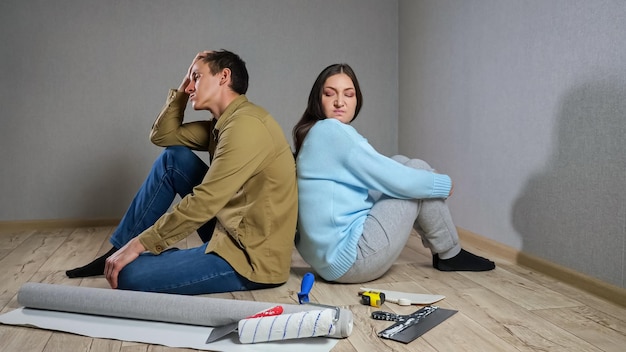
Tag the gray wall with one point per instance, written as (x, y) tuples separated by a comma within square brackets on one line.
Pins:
[(523, 103), (83, 80)]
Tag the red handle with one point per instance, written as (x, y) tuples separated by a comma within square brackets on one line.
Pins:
[(278, 310)]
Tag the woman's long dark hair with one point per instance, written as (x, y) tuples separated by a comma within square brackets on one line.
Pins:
[(314, 111)]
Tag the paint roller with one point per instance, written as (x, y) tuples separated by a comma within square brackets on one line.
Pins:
[(326, 321), (292, 326)]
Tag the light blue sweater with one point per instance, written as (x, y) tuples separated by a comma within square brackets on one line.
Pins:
[(336, 168)]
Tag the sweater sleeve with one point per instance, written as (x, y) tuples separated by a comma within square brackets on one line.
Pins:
[(367, 168)]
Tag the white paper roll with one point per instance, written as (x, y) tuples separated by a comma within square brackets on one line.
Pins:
[(288, 326)]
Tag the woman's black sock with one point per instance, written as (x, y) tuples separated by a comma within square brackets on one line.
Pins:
[(92, 269), (464, 261)]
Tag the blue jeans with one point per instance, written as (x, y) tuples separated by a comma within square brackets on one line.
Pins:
[(183, 271)]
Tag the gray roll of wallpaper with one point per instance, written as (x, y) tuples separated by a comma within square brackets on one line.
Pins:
[(171, 308)]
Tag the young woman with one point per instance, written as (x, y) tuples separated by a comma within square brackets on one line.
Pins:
[(357, 207)]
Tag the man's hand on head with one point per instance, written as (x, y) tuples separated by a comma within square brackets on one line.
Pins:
[(187, 78)]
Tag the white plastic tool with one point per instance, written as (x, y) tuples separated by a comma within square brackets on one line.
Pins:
[(406, 298), (400, 301)]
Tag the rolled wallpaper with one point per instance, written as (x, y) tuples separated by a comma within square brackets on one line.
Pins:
[(170, 308)]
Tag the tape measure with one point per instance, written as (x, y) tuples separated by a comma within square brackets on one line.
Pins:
[(372, 298)]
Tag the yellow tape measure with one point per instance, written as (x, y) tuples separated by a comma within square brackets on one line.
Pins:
[(372, 298)]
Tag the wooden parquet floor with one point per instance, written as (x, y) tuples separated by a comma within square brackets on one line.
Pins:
[(509, 309)]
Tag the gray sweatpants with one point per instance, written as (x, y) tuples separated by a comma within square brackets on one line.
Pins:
[(389, 224)]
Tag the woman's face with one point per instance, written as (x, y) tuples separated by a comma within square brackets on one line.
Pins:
[(339, 98)]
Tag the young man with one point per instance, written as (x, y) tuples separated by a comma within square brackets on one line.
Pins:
[(243, 206)]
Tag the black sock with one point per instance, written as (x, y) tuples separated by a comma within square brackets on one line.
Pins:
[(464, 261), (92, 269)]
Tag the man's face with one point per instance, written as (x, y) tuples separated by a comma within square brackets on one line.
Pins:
[(203, 87)]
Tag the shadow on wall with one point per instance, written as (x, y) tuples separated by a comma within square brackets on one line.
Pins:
[(574, 212)]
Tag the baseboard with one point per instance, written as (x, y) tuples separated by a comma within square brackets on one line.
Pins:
[(584, 282), (52, 224)]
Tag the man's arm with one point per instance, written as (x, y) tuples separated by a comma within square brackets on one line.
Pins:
[(168, 128)]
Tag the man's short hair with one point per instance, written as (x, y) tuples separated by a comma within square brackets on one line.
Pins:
[(219, 60)]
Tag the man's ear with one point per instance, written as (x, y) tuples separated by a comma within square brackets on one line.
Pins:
[(225, 76)]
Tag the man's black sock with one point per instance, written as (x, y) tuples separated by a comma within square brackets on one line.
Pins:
[(464, 261), (92, 269)]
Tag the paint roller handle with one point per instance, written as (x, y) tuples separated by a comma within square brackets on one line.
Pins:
[(305, 287)]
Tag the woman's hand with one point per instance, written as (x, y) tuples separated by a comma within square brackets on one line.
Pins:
[(116, 262)]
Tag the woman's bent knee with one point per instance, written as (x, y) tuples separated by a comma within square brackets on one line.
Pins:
[(413, 163)]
